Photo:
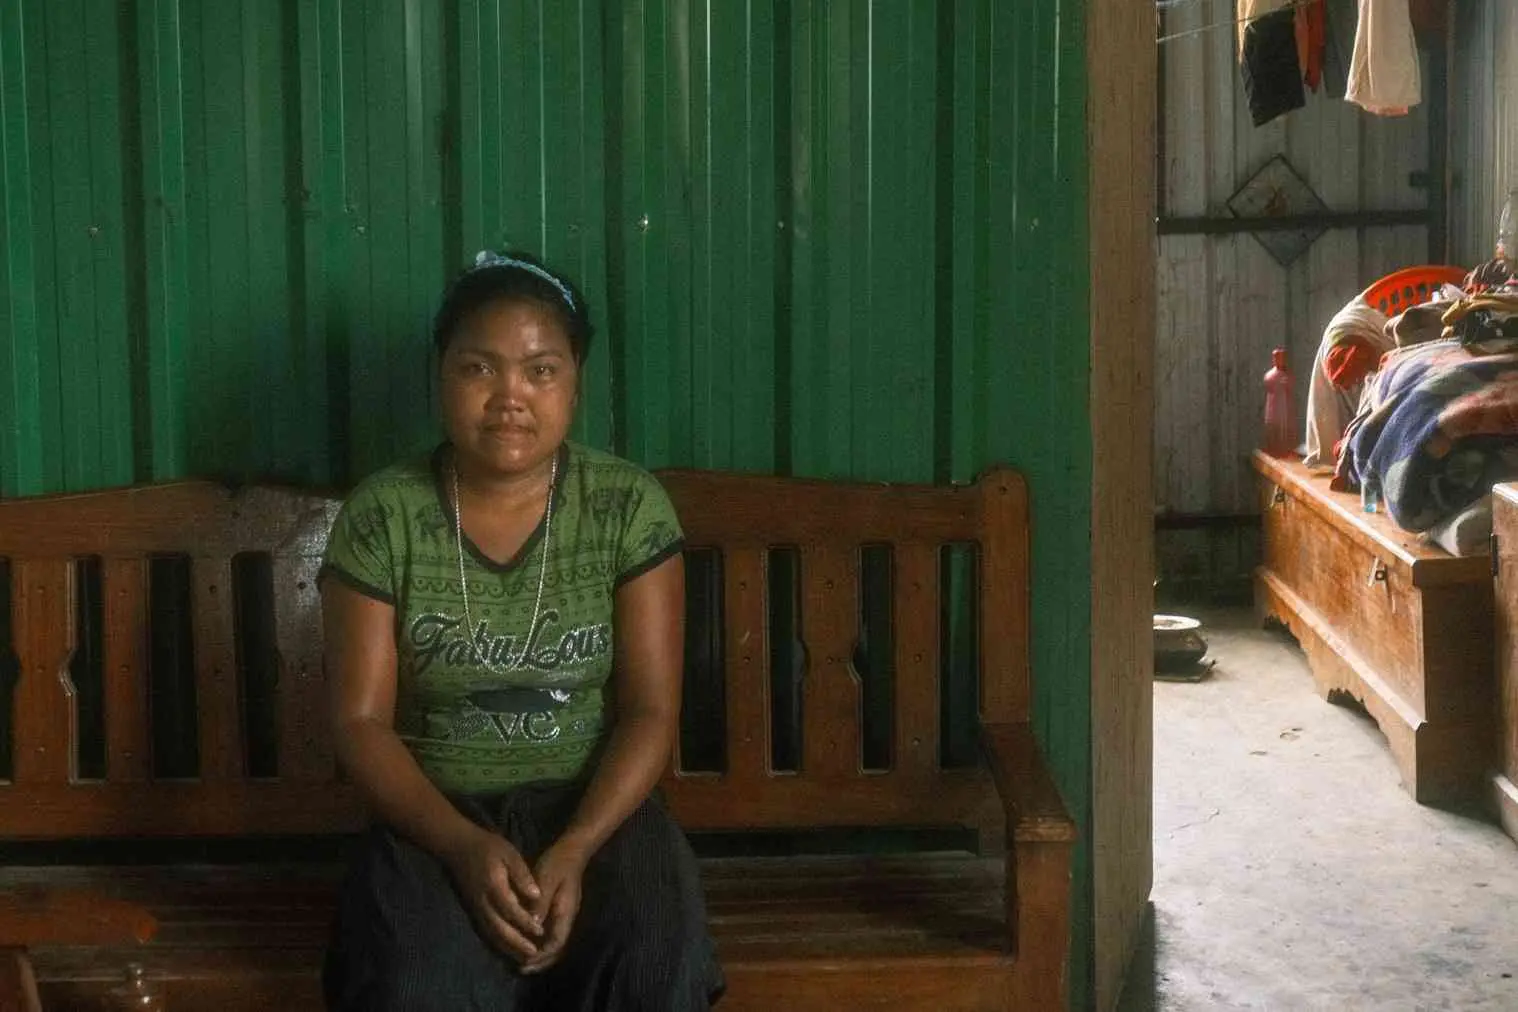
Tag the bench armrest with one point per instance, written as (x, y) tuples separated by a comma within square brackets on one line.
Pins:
[(41, 916), (1040, 840), (1035, 811)]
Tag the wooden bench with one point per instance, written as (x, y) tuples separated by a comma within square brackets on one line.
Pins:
[(197, 609), (1399, 625)]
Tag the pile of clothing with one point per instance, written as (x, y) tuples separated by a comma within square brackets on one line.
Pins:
[(1436, 421), (1486, 322)]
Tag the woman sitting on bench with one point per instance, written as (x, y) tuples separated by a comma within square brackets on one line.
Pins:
[(504, 627)]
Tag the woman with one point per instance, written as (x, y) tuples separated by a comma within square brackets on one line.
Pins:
[(504, 630)]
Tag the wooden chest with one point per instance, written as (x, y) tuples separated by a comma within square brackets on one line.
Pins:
[(1505, 564), (1397, 624)]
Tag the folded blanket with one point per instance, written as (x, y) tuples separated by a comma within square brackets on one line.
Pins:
[(1468, 532), (1438, 428)]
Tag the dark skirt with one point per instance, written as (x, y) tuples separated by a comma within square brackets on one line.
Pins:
[(403, 939)]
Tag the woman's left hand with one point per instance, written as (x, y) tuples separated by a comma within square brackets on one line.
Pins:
[(558, 876)]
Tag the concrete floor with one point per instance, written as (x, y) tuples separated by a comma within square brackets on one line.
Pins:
[(1292, 873)]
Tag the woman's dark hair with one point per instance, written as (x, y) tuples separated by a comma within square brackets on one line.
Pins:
[(510, 277)]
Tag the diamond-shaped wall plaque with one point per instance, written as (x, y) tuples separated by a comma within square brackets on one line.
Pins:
[(1278, 191)]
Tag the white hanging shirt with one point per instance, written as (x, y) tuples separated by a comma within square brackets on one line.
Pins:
[(1383, 73)]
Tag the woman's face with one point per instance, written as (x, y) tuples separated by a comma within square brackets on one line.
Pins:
[(509, 386)]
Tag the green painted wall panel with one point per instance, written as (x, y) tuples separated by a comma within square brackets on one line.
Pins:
[(72, 300), (22, 421), (830, 237), (43, 339), (162, 415)]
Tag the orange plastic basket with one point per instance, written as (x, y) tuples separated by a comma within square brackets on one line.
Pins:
[(1401, 290)]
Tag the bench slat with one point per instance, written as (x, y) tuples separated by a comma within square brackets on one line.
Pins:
[(217, 702), (167, 519), (717, 509), (915, 618), (42, 915), (44, 719), (830, 710), (747, 651), (927, 903), (1003, 561), (305, 743), (128, 750), (972, 980), (177, 808), (956, 797)]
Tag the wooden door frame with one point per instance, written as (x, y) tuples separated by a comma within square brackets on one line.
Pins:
[(1121, 129)]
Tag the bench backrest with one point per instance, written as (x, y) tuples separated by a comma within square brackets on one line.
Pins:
[(95, 578)]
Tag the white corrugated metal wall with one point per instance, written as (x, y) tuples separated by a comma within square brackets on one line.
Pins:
[(1224, 302), (1483, 122)]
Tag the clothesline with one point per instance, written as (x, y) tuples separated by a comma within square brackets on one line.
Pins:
[(1163, 5)]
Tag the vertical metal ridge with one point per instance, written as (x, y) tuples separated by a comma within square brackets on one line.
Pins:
[(789, 174), (359, 323), (944, 163), (21, 468), (305, 408), (613, 324), (322, 70), (47, 195), (385, 233), (166, 254), (584, 118), (112, 250)]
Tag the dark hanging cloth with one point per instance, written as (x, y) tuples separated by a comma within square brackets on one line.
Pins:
[(1343, 16), (1272, 72)]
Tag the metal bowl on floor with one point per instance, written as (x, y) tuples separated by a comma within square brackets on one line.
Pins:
[(1178, 644)]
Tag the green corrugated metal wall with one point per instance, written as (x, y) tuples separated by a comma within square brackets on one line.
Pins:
[(822, 237)]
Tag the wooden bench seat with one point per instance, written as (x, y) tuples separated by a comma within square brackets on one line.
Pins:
[(1396, 623), (181, 622), (230, 937)]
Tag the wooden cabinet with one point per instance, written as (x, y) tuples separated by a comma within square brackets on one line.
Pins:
[(1505, 563)]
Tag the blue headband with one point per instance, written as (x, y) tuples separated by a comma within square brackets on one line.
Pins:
[(488, 258)]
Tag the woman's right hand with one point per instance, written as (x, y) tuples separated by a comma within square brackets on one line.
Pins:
[(498, 889)]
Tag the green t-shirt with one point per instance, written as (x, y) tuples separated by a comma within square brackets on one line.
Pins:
[(475, 721)]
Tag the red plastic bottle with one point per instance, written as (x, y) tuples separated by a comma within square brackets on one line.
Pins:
[(1280, 437)]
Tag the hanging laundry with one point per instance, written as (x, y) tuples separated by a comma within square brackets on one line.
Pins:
[(1312, 34), (1268, 58), (1247, 10), (1343, 18), (1383, 73)]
